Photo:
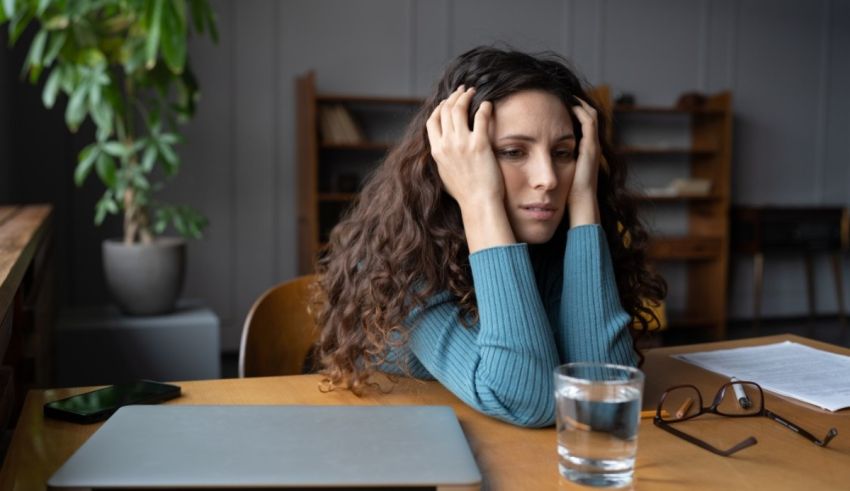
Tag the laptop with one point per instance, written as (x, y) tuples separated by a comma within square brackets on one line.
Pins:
[(181, 446)]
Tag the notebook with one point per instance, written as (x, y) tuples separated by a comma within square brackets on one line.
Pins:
[(181, 446)]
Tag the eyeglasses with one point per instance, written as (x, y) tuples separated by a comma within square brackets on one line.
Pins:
[(735, 400)]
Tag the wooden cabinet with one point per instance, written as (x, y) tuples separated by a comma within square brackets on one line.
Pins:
[(681, 157), (27, 302), (331, 170)]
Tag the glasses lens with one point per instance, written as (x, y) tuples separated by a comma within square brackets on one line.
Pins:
[(681, 403), (739, 398)]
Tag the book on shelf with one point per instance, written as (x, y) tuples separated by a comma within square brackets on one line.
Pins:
[(337, 126)]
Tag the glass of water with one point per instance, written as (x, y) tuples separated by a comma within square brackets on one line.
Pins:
[(598, 414)]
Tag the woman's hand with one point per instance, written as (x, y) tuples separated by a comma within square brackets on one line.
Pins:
[(469, 170), (582, 203), (465, 160)]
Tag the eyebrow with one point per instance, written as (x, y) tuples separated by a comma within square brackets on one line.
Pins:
[(531, 139)]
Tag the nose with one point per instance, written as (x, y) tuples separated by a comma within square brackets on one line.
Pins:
[(541, 172)]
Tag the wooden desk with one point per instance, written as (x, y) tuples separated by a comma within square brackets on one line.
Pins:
[(514, 458)]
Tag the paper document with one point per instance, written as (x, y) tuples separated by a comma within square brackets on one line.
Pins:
[(791, 369)]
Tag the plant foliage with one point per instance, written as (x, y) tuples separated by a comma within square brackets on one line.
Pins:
[(123, 65)]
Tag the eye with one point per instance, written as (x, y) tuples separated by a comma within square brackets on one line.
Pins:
[(510, 153), (564, 154)]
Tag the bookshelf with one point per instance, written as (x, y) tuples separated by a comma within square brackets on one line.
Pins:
[(331, 172), (340, 138), (693, 144)]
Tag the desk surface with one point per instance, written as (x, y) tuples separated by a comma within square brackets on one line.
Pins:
[(515, 458)]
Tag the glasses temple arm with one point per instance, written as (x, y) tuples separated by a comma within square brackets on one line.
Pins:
[(796, 429), (696, 441)]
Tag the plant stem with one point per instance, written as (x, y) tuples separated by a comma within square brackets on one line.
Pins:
[(136, 220)]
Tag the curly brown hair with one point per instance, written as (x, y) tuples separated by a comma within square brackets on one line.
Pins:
[(403, 241)]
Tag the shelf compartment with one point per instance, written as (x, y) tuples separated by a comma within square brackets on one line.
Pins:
[(361, 99), (683, 320), (679, 197), (630, 109), (685, 248), (367, 146), (630, 151), (337, 197)]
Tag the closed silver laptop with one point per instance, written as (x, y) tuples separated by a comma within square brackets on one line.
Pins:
[(177, 446)]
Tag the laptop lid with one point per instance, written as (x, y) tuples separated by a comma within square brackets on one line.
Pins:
[(273, 446)]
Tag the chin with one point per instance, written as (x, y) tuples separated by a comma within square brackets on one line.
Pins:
[(535, 236)]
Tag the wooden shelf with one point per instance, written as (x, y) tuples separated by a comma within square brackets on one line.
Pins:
[(679, 197), (662, 152), (687, 247), (368, 146), (323, 165), (691, 321), (623, 109), (337, 197), (364, 99)]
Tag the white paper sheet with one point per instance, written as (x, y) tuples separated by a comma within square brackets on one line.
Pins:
[(791, 369)]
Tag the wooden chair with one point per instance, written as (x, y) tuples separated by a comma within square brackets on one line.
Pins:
[(278, 331)]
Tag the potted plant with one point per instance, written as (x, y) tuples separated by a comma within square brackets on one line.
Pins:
[(123, 65)]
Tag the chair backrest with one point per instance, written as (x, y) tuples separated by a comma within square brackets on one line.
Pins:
[(278, 332)]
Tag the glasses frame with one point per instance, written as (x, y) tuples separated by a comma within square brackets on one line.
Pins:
[(718, 398)]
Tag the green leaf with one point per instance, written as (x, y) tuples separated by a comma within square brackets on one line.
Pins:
[(37, 47), (9, 8), (85, 161), (149, 158), (42, 7), (56, 22), (57, 40), (76, 110), (154, 31), (179, 223), (18, 24), (173, 40), (103, 116), (106, 169), (116, 149), (171, 161), (3, 17), (141, 182), (169, 138), (106, 205), (51, 89), (210, 17)]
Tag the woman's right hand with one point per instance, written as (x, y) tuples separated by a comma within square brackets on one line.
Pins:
[(465, 160), (469, 170)]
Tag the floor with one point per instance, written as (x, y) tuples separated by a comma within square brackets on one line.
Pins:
[(826, 329)]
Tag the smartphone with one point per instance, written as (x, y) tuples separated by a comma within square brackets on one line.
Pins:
[(98, 405)]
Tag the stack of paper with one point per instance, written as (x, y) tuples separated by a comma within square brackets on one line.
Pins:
[(790, 369)]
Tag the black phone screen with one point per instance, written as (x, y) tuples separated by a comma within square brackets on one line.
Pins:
[(99, 404)]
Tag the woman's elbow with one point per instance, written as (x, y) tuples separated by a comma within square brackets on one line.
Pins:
[(534, 410)]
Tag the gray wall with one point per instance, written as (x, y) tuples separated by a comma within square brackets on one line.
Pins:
[(784, 60)]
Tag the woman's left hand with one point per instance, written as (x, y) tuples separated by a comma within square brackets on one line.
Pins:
[(582, 203)]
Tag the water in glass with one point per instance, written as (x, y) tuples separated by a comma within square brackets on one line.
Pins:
[(597, 433)]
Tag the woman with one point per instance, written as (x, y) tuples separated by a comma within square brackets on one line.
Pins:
[(489, 247)]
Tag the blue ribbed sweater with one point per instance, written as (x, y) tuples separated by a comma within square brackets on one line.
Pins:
[(534, 314)]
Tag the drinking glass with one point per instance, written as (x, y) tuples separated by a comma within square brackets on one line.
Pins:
[(598, 415)]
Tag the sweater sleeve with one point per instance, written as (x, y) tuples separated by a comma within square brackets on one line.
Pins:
[(502, 365), (592, 325)]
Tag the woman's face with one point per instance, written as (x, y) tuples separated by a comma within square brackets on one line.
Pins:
[(533, 140)]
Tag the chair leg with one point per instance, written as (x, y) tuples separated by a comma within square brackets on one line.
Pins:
[(810, 292), (839, 291), (758, 285)]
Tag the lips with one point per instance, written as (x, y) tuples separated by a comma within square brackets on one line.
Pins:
[(539, 211)]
